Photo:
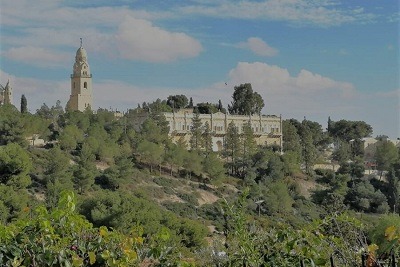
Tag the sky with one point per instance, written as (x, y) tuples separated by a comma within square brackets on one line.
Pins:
[(306, 58)]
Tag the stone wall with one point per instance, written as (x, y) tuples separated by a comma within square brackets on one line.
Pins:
[(267, 128)]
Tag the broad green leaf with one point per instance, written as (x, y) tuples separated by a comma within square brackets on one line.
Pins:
[(92, 257)]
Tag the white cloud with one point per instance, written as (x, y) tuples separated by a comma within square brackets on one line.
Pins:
[(307, 94), (138, 39), (55, 14), (318, 13), (50, 25), (274, 79), (316, 97), (37, 56), (259, 47)]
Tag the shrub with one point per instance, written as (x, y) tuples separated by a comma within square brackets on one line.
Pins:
[(190, 198), (61, 237)]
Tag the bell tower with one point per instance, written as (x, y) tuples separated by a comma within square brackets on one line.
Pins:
[(81, 83)]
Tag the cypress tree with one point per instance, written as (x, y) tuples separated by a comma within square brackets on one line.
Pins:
[(24, 104)]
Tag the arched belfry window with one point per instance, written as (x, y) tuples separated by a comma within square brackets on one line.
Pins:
[(85, 85)]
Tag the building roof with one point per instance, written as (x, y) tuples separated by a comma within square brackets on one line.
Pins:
[(81, 54)]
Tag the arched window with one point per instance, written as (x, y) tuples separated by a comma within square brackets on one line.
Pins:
[(85, 85)]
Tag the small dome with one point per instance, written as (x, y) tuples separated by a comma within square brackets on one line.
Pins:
[(81, 54)]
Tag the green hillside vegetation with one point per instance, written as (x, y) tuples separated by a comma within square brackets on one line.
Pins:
[(101, 193)]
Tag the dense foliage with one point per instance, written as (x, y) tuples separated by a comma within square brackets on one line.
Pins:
[(103, 192)]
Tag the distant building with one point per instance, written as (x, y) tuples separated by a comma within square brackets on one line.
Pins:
[(36, 141), (369, 145), (6, 96), (81, 97), (267, 128)]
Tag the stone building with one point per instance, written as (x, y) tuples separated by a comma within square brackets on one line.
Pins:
[(267, 128), (81, 83), (6, 96)]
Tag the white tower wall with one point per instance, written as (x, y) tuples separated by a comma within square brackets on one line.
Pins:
[(81, 83)]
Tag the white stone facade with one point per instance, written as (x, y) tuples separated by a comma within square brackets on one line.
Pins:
[(267, 129), (81, 97)]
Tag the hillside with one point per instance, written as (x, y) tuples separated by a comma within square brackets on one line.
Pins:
[(175, 202)]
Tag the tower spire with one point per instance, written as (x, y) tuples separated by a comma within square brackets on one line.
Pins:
[(81, 82)]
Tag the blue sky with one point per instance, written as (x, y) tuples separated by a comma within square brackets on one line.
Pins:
[(305, 57)]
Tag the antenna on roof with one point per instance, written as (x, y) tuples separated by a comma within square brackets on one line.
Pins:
[(81, 42)]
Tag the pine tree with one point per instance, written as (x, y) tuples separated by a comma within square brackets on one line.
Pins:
[(24, 104), (249, 146), (249, 143), (393, 187), (196, 132), (232, 146), (207, 138), (291, 138), (309, 152)]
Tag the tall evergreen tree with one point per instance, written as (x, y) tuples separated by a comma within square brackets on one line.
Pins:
[(393, 186), (309, 151), (196, 132), (213, 166), (342, 153), (220, 105), (291, 138), (207, 138), (24, 104), (248, 142), (232, 147), (386, 154), (329, 129), (190, 103)]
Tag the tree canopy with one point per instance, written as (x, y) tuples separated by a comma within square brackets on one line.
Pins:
[(348, 130), (177, 101), (245, 101)]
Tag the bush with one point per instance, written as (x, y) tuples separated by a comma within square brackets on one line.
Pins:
[(381, 236), (168, 190), (63, 238), (162, 181), (182, 209), (190, 198)]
